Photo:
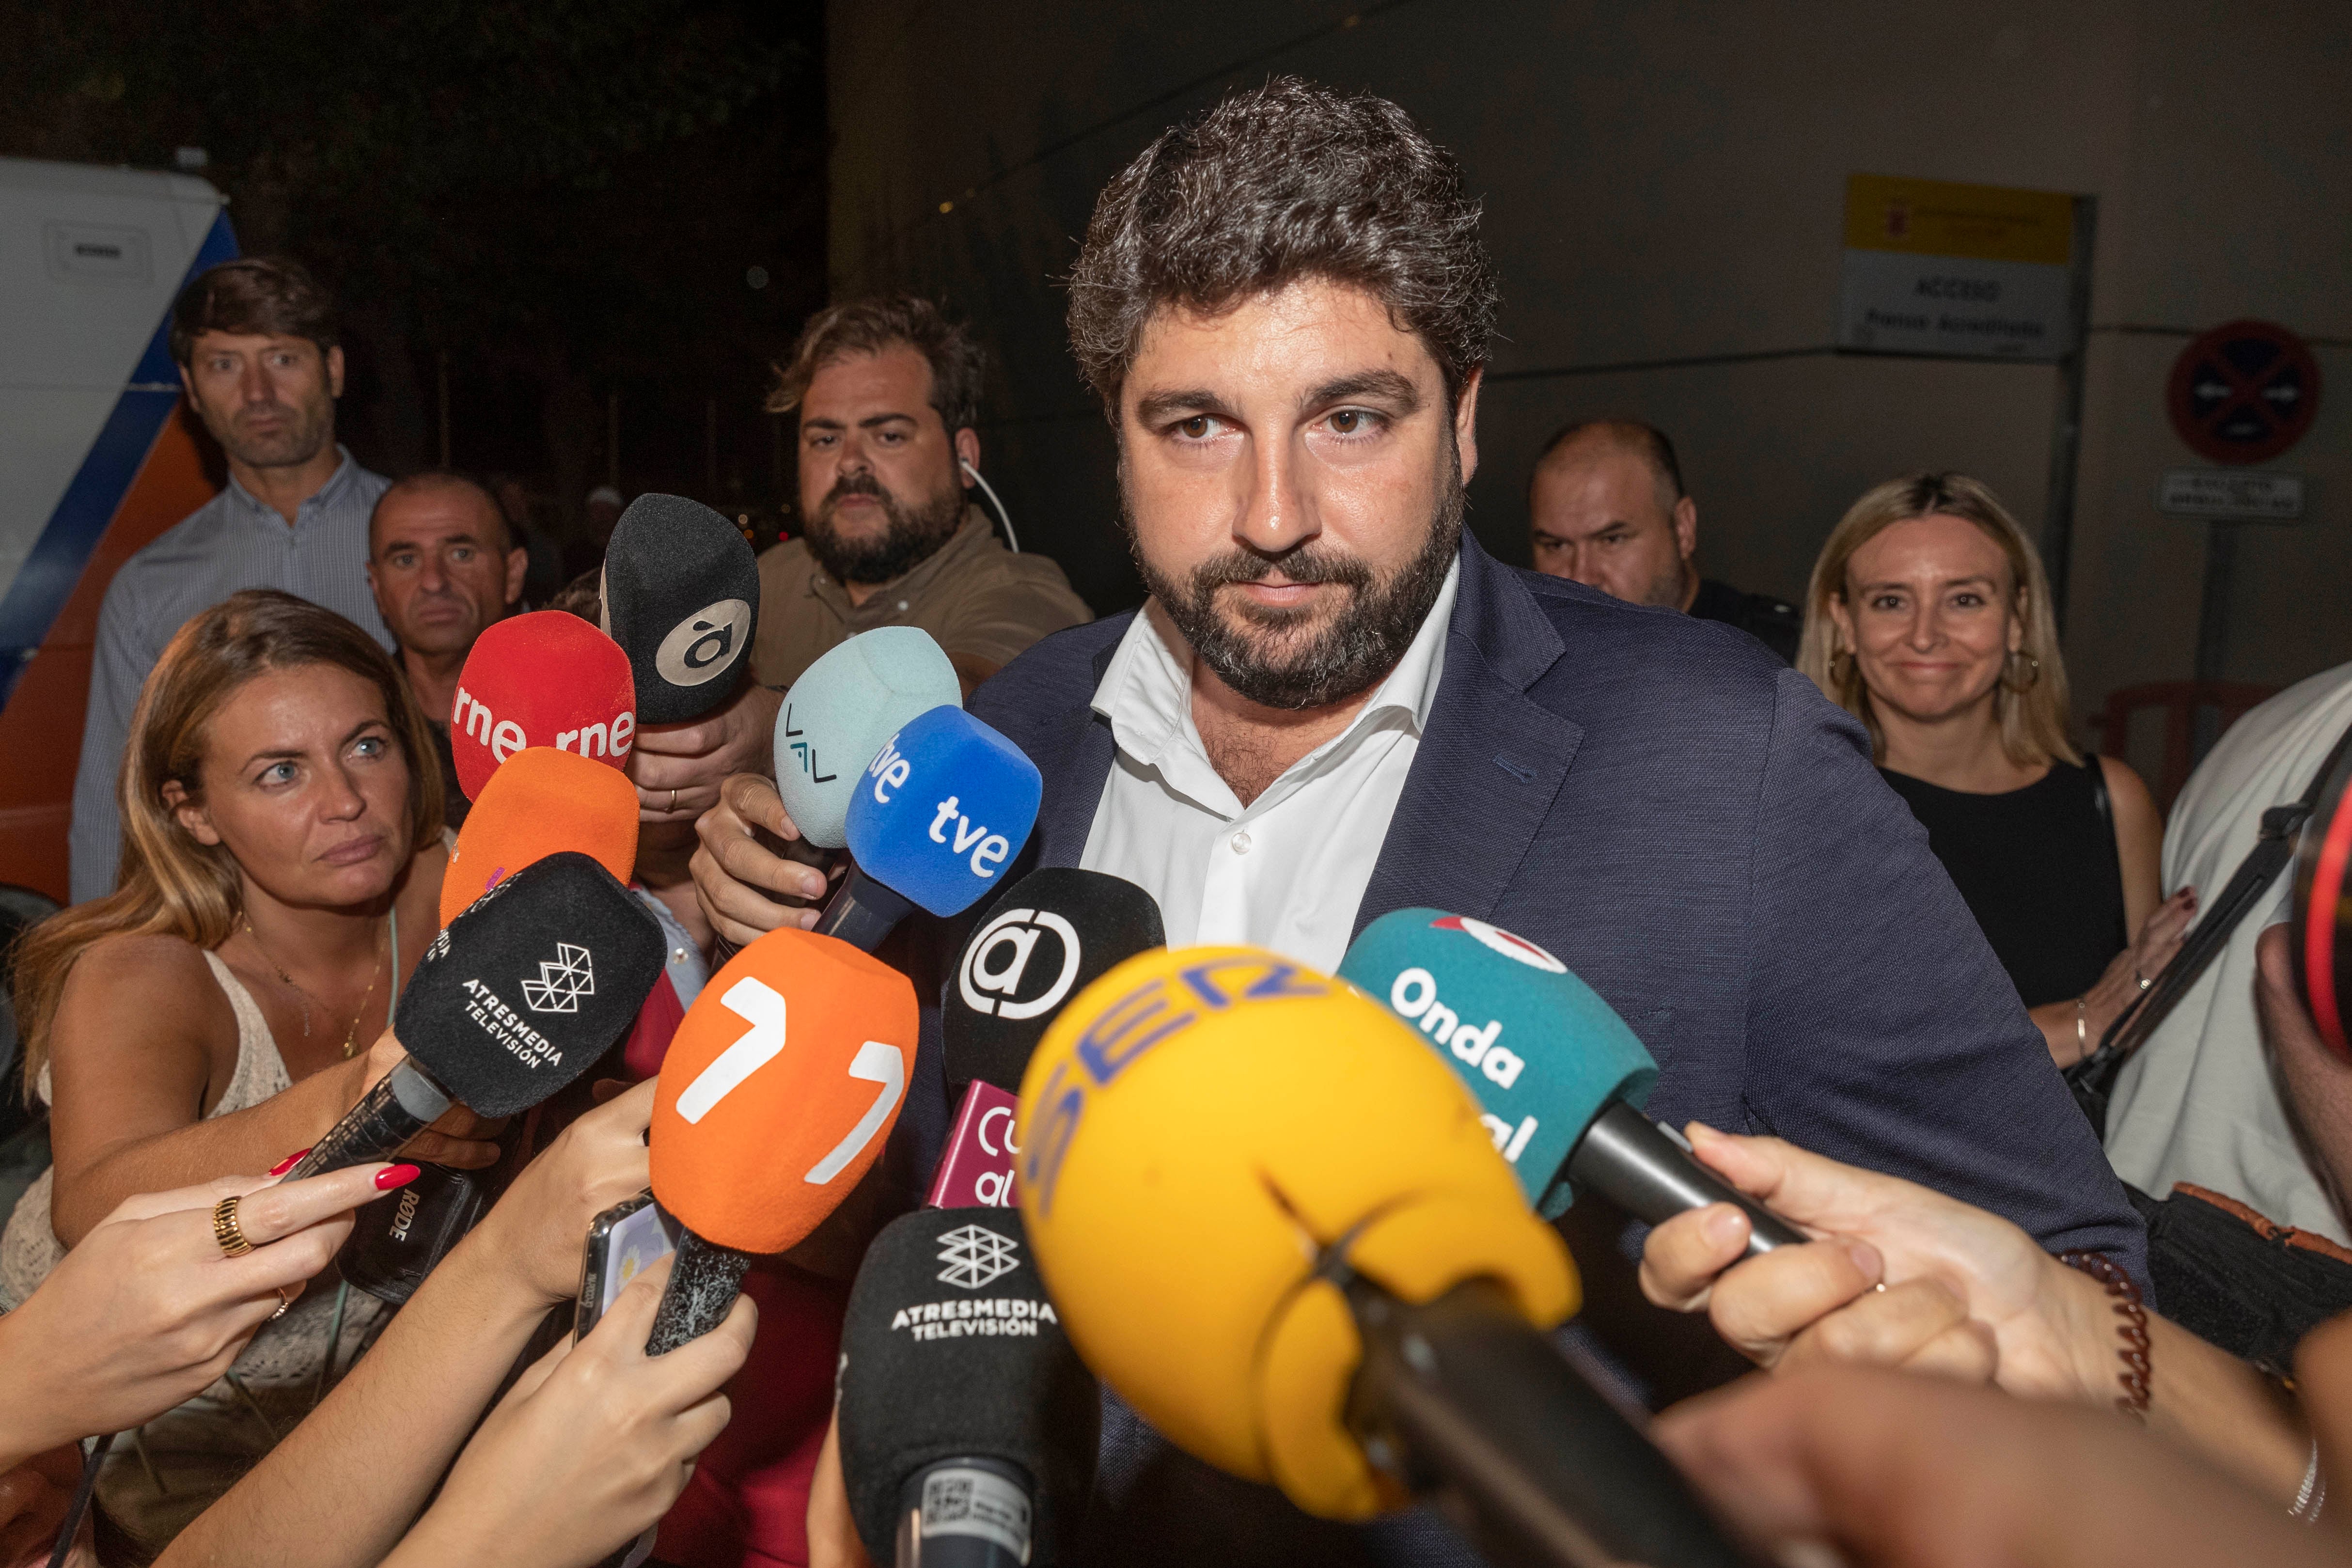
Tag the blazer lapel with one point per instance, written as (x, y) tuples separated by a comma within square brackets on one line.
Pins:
[(1489, 765), (1075, 753)]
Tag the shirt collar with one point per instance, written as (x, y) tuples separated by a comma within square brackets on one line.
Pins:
[(338, 484), (1147, 691)]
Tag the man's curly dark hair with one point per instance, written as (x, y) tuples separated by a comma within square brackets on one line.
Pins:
[(1287, 180)]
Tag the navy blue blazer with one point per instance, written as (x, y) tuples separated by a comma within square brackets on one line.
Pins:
[(1693, 829)]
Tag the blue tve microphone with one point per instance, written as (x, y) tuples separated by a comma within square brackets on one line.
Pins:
[(1562, 1078), (839, 712), (943, 808)]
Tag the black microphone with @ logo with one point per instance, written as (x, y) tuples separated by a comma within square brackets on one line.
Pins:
[(1048, 937), (968, 1424)]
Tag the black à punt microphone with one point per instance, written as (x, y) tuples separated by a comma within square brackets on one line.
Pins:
[(514, 999), (968, 1423)]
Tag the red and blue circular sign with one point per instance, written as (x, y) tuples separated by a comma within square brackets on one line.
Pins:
[(2243, 393)]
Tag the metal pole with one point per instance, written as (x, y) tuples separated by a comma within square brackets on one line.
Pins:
[(2066, 418), (2213, 629)]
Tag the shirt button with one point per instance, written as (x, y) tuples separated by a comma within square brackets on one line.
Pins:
[(902, 603), (1241, 843), (677, 955)]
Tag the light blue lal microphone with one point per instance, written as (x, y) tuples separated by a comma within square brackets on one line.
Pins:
[(1562, 1078), (942, 809), (841, 710)]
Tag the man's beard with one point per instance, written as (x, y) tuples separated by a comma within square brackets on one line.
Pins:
[(1276, 656), (908, 539)]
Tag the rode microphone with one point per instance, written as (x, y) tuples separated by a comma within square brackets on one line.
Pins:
[(681, 596), (1273, 1220), (1562, 1078), (1046, 939), (547, 679), (840, 712), (513, 1000), (944, 807), (543, 802), (779, 1090), (968, 1424)]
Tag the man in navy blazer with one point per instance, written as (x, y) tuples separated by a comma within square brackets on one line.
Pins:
[(1336, 704)]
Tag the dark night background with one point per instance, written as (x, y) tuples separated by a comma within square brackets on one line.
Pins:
[(561, 205)]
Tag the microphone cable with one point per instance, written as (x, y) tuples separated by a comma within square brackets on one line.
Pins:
[(994, 501)]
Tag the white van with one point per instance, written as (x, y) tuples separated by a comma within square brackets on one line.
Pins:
[(97, 457)]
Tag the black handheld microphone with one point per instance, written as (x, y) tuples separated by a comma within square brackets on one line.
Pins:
[(513, 1000), (968, 1423), (682, 598), (1046, 939)]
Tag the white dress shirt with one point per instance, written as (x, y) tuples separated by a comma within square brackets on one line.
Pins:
[(1288, 870), (2199, 1102)]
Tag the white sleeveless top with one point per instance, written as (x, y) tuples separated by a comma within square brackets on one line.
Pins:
[(287, 1349)]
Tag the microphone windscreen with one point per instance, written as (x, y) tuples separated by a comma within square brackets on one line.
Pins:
[(543, 802), (1205, 1134), (1047, 938), (547, 679), (2320, 928), (780, 1089), (945, 805), (524, 990), (951, 1349), (839, 712), (1543, 1052), (682, 598)]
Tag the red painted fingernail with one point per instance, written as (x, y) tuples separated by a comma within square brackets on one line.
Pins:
[(288, 1163), (392, 1176)]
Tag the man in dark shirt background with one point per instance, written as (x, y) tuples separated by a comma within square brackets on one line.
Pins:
[(443, 566), (1608, 510)]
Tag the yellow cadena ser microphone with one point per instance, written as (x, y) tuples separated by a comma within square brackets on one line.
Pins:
[(1213, 1140)]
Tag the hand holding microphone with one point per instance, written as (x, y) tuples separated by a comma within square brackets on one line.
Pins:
[(146, 1310), (1562, 1078), (1272, 1219), (833, 719), (589, 1448), (778, 1094)]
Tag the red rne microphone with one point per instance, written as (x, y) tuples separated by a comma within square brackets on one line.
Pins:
[(777, 1094), (547, 679), (543, 802)]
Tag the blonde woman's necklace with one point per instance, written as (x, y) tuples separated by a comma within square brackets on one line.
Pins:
[(351, 1036)]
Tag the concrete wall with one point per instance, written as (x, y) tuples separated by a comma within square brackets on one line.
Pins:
[(1666, 182)]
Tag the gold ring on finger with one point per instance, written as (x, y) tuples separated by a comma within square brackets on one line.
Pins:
[(224, 1228)]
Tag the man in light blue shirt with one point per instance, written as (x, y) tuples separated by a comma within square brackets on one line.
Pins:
[(258, 356)]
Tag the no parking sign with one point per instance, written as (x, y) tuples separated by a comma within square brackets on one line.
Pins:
[(2243, 393)]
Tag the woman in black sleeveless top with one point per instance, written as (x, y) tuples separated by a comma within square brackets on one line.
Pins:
[(1928, 619)]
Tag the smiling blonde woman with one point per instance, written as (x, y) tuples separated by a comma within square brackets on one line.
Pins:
[(1928, 619)]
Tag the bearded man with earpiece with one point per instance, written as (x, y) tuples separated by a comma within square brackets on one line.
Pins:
[(886, 393)]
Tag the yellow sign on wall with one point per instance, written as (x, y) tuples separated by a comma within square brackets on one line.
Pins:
[(1935, 218), (1969, 271)]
